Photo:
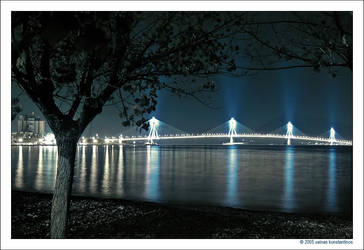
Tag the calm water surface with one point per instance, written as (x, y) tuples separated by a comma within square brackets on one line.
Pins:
[(279, 178)]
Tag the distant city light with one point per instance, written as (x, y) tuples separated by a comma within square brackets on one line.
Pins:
[(50, 139)]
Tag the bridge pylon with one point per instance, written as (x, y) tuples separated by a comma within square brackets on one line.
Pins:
[(332, 138), (153, 133), (232, 129), (232, 132), (289, 133)]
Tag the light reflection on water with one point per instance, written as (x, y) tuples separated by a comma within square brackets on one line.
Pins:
[(152, 173), (94, 169), (20, 169), (38, 178), (232, 176), (82, 184), (106, 181), (53, 162), (331, 189), (291, 179), (120, 167)]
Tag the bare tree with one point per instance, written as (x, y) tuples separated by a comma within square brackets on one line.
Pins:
[(71, 64)]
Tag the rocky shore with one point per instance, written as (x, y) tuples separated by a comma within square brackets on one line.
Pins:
[(96, 218)]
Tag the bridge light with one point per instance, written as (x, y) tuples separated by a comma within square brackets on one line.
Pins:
[(332, 132), (332, 138), (232, 127), (153, 122), (153, 133), (232, 123), (289, 132), (289, 129)]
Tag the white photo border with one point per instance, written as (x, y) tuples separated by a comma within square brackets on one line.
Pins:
[(8, 6)]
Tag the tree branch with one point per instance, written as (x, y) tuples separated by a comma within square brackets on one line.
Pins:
[(285, 67)]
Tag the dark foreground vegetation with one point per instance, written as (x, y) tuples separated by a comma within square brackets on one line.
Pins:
[(120, 219)]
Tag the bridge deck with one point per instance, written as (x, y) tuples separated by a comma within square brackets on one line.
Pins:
[(273, 136)]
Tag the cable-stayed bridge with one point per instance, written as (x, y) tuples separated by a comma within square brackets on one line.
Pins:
[(235, 131)]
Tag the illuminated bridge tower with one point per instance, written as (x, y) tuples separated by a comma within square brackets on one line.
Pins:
[(289, 133), (153, 133), (232, 129), (332, 138)]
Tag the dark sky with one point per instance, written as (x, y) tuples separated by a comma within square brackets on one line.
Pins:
[(264, 102)]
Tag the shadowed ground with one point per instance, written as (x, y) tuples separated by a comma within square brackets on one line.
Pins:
[(119, 219)]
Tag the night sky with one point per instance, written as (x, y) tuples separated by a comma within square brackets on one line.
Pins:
[(314, 102), (264, 101)]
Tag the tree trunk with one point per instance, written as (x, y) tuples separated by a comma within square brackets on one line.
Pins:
[(67, 144)]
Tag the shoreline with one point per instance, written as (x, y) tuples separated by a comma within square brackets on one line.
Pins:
[(111, 218)]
